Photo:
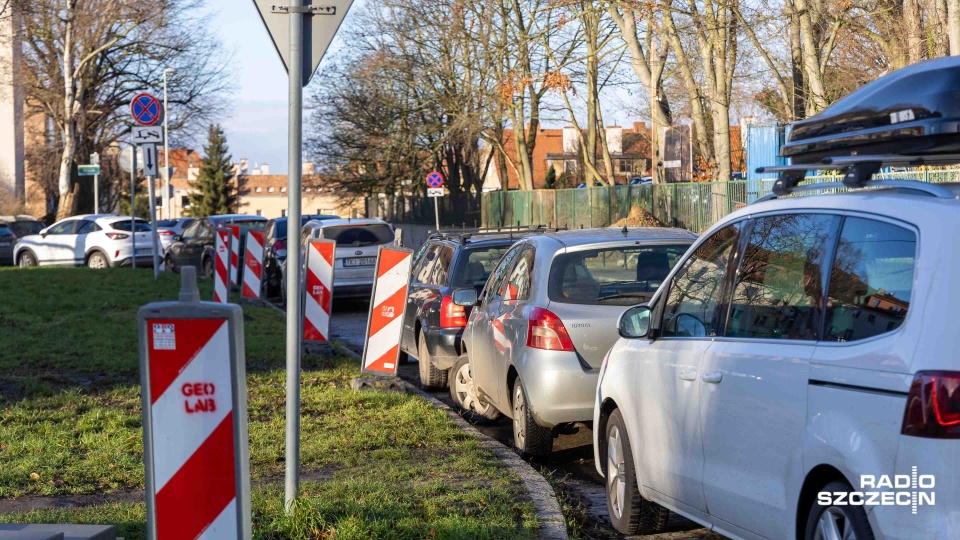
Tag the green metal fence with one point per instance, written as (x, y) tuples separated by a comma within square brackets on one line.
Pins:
[(693, 206)]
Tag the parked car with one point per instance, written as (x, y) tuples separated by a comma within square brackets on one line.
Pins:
[(167, 229), (547, 316), (358, 243), (433, 324), (23, 225), (799, 367), (197, 245), (97, 241), (7, 240), (641, 180), (275, 251)]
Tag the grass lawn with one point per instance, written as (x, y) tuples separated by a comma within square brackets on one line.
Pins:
[(375, 465)]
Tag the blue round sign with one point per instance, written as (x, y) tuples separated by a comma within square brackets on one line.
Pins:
[(435, 180), (146, 110)]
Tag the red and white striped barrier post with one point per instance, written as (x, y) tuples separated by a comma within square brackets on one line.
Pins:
[(234, 254), (385, 322), (318, 302), (193, 388), (253, 265), (221, 285)]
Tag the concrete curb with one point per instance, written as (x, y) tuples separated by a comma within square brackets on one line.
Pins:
[(553, 526)]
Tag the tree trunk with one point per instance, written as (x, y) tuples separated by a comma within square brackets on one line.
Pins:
[(913, 24), (811, 60), (953, 26), (69, 119)]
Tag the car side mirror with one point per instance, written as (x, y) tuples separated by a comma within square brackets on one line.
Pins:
[(635, 323), (465, 297), (177, 238)]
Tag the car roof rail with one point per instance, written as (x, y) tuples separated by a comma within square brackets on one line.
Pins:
[(466, 235), (858, 172)]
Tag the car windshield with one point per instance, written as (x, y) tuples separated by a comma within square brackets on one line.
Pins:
[(167, 223), (142, 226), (5, 231), (25, 228), (621, 276), (359, 235), (475, 265)]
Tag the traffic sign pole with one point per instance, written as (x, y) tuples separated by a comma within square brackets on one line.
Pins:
[(133, 207), (294, 319)]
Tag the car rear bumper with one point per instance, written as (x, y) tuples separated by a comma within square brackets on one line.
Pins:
[(443, 344), (352, 290), (559, 389)]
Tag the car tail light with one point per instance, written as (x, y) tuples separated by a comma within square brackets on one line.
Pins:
[(280, 248), (452, 315), (933, 406), (117, 236), (546, 331), (166, 233)]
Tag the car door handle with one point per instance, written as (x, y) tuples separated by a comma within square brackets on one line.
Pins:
[(688, 375), (713, 378)]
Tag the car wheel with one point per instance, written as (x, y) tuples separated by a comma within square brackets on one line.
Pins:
[(465, 395), (97, 261), (208, 267), (837, 522), (629, 512), (530, 438), (168, 264), (430, 376), (27, 259)]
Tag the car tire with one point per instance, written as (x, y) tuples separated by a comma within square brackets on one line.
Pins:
[(629, 512), (430, 376), (27, 259), (169, 266), (97, 261), (207, 267), (464, 394), (530, 438), (847, 521)]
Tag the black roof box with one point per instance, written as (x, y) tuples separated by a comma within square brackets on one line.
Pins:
[(914, 110)]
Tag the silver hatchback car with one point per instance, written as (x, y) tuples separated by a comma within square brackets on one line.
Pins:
[(547, 317)]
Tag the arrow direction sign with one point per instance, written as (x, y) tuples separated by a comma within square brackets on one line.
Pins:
[(149, 159), (321, 21)]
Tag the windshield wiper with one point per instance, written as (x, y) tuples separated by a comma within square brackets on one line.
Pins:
[(624, 295)]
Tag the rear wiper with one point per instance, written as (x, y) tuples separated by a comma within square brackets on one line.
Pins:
[(624, 295)]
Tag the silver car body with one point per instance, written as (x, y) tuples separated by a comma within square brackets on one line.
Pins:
[(560, 384)]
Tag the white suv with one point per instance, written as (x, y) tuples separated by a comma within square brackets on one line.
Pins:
[(801, 356), (97, 241)]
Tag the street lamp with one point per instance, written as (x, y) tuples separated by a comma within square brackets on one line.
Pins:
[(166, 144)]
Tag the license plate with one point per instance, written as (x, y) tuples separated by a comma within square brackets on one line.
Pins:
[(144, 251), (359, 261)]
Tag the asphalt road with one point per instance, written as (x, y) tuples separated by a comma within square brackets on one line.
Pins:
[(571, 466)]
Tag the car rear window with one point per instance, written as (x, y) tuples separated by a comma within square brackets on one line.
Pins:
[(619, 276), (25, 228), (475, 265), (167, 223), (359, 236), (5, 231), (142, 226)]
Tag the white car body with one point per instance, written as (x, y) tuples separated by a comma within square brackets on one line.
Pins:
[(72, 242), (738, 433), (354, 265), (168, 234)]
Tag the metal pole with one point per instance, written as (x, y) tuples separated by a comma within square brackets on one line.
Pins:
[(436, 212), (96, 194), (133, 207), (292, 476), (166, 150), (154, 235)]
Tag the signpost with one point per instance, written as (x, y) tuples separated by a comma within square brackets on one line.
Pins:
[(435, 191), (147, 111), (95, 160), (301, 34)]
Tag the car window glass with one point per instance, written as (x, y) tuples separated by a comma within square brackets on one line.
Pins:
[(64, 227), (440, 267), (5, 231), (872, 280), (777, 293), (87, 227), (25, 228), (205, 231), (491, 291), (517, 286), (474, 265), (191, 231), (360, 236), (425, 270), (142, 226), (691, 306), (615, 276), (418, 259)]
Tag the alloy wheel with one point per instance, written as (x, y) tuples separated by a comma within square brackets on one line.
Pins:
[(519, 412), (97, 262), (463, 385), (616, 473), (834, 525)]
